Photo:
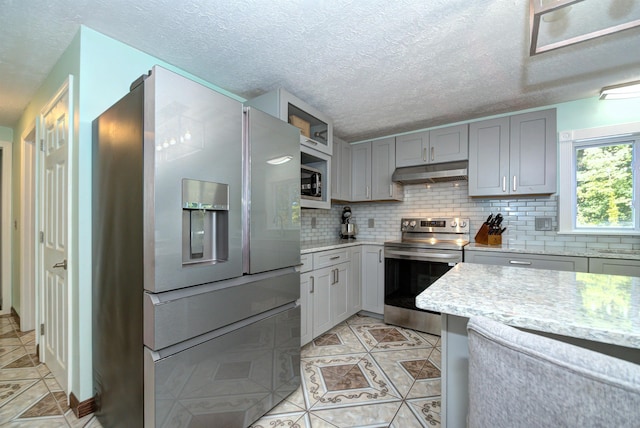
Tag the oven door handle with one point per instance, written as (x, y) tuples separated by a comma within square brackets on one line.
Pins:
[(415, 255)]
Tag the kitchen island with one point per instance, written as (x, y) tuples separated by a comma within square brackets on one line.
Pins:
[(599, 312)]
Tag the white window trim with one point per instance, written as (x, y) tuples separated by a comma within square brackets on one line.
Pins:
[(566, 160)]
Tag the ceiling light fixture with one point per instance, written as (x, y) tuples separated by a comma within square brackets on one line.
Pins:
[(618, 92), (555, 24)]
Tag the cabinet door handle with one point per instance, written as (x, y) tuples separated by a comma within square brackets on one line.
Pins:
[(518, 262), (514, 183), (314, 142), (380, 255), (424, 154), (337, 276), (504, 183), (367, 193), (433, 153), (390, 190), (312, 284)]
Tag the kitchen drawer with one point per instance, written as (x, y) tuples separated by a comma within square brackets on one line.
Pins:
[(178, 315), (534, 261), (332, 257), (614, 266), (307, 263)]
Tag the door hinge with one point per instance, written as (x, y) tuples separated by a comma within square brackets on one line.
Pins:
[(41, 329), (41, 237)]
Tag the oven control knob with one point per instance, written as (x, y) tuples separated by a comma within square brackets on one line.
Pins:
[(463, 224), (412, 224), (454, 224)]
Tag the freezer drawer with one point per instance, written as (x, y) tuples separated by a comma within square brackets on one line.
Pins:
[(179, 315), (228, 381)]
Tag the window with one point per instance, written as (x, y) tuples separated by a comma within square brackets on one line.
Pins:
[(599, 183)]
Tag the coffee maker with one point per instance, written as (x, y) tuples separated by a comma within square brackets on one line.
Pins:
[(348, 228)]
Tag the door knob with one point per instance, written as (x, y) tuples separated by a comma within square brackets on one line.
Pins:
[(62, 264)]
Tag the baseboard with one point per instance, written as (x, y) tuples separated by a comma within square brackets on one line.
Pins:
[(82, 409), (15, 315)]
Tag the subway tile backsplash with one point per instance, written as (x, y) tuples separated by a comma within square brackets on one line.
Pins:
[(452, 200)]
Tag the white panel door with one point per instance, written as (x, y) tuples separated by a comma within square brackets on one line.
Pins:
[(55, 246)]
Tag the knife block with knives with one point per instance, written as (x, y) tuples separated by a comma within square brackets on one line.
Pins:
[(490, 232)]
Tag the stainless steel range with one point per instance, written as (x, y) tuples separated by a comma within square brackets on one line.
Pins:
[(428, 249)]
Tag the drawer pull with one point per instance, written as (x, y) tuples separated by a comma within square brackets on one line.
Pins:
[(518, 262), (334, 258)]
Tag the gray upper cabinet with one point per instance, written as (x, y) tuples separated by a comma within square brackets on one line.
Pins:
[(286, 106), (513, 155), (412, 149), (341, 170), (435, 146), (361, 172), (372, 165), (383, 163)]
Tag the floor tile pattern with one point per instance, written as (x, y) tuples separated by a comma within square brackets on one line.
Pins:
[(364, 373), (29, 395), (361, 373)]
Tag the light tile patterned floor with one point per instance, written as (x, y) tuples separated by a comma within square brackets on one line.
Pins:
[(364, 373), (360, 373), (29, 395)]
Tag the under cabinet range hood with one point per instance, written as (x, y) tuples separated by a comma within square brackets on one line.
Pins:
[(432, 173)]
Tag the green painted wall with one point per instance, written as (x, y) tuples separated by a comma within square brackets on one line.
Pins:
[(107, 68), (593, 113), (6, 134)]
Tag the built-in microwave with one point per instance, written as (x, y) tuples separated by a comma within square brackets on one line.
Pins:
[(310, 183)]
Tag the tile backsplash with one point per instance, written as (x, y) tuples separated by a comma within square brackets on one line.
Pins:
[(452, 200)]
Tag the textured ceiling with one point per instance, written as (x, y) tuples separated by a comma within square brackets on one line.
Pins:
[(376, 67)]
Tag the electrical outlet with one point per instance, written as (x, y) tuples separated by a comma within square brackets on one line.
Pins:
[(371, 223), (313, 222), (544, 223)]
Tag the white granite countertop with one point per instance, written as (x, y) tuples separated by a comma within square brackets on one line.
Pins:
[(600, 308), (606, 253), (332, 244)]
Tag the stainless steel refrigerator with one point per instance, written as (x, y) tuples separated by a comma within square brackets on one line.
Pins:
[(196, 243)]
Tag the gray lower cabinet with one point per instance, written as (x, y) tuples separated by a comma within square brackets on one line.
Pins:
[(513, 155), (535, 261), (373, 278), (614, 266), (306, 307), (329, 290)]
